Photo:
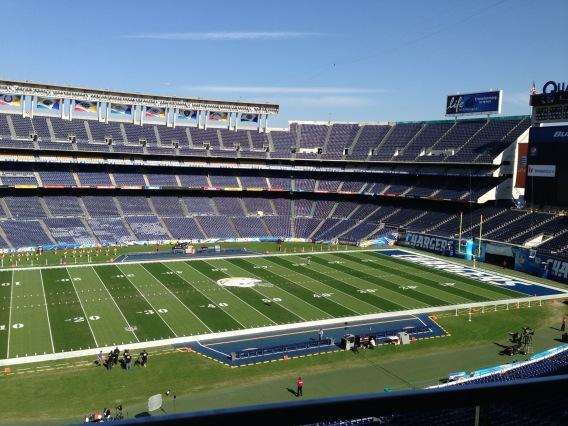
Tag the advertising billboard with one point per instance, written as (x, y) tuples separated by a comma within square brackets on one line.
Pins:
[(542, 170), (474, 103)]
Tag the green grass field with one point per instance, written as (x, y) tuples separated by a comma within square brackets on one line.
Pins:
[(52, 310), (57, 393)]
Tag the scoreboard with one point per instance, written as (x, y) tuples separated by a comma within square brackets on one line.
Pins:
[(547, 167), (551, 106)]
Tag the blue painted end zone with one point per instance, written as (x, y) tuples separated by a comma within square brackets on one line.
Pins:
[(220, 349), (526, 287)]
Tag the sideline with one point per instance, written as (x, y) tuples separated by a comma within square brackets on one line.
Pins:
[(86, 265), (282, 327)]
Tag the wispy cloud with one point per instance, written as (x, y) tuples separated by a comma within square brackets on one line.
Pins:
[(284, 90), (226, 35), (332, 101)]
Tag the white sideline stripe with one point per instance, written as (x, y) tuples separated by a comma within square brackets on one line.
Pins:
[(284, 327), (189, 259)]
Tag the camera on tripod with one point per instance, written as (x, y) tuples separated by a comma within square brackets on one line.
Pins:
[(522, 342)]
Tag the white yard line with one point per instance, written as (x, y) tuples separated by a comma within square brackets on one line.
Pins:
[(47, 313), (362, 281), (130, 328), (320, 283), (147, 301), (224, 289), (10, 315), (82, 308), (248, 304), (339, 322), (255, 288), (461, 265), (177, 298)]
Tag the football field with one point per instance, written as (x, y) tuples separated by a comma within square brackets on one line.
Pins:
[(61, 309)]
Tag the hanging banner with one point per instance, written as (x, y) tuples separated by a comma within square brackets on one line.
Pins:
[(48, 104), (249, 118), (120, 109), (10, 101), (218, 116), (522, 165), (88, 107), (187, 114), (155, 112)]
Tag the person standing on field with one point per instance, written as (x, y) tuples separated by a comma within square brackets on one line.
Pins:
[(299, 387)]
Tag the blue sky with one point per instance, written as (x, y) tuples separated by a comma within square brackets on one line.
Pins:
[(320, 60)]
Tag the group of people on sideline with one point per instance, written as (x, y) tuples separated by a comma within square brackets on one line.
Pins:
[(112, 359)]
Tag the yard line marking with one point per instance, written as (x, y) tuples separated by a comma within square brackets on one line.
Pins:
[(317, 282), (81, 303), (155, 310), (368, 270), (276, 303), (130, 328), (373, 307), (10, 315), (177, 298), (226, 289), (47, 312), (209, 280)]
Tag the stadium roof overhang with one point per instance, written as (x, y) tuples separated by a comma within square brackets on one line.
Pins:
[(106, 95)]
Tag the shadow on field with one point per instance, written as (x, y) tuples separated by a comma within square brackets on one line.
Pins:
[(142, 415), (292, 391)]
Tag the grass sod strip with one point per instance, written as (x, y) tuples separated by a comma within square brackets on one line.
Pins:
[(136, 310), (382, 304), (5, 299), (69, 327), (500, 290), (326, 305), (418, 278), (273, 312), (422, 297), (192, 298), (275, 294)]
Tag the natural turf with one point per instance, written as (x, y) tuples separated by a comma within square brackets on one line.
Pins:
[(70, 308), (63, 392)]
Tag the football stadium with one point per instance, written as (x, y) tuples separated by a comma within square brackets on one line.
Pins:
[(179, 259)]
